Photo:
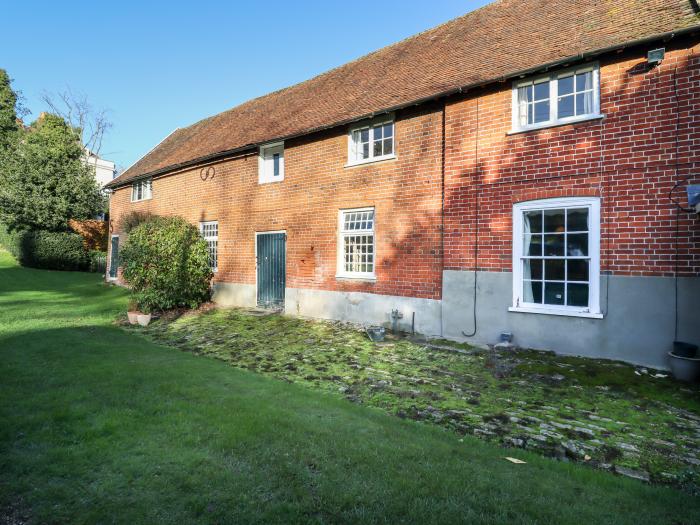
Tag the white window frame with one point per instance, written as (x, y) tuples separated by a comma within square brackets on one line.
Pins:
[(554, 119), (266, 154), (340, 263), (146, 186), (593, 308), (208, 239), (379, 121)]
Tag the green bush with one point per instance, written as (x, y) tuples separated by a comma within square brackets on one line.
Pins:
[(48, 250), (132, 219), (165, 261)]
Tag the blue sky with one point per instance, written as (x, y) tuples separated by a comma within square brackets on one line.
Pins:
[(157, 66)]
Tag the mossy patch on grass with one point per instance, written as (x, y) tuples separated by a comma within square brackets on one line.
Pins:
[(608, 414)]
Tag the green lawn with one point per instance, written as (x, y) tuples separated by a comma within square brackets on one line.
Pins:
[(98, 425)]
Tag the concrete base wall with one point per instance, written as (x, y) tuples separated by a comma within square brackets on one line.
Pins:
[(638, 326), (365, 308), (232, 294)]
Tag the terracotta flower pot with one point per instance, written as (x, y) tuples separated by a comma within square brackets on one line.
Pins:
[(133, 317), (143, 319)]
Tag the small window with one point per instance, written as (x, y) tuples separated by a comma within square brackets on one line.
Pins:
[(558, 98), (556, 255), (210, 233), (370, 142), (271, 163), (356, 243), (141, 190)]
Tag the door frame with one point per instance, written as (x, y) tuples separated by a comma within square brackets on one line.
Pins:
[(256, 260), (109, 266)]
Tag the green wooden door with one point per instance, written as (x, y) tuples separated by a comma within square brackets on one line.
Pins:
[(114, 260), (271, 269)]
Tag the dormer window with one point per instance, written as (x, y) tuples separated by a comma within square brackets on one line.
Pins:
[(558, 98), (371, 141), (271, 163), (141, 190)]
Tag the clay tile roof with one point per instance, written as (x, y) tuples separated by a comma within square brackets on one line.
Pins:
[(499, 40)]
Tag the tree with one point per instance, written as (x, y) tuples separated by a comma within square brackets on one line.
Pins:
[(76, 110), (44, 180), (10, 108)]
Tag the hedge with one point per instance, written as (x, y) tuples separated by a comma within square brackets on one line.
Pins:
[(48, 250)]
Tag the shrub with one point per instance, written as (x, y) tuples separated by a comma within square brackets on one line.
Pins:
[(131, 220), (95, 233), (165, 261), (48, 250)]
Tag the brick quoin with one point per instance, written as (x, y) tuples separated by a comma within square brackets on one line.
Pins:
[(628, 159)]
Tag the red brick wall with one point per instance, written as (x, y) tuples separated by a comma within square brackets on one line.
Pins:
[(405, 192), (627, 159)]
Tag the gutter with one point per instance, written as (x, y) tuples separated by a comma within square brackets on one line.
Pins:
[(443, 94)]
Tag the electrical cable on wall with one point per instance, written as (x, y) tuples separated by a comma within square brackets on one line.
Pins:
[(476, 219), (679, 208)]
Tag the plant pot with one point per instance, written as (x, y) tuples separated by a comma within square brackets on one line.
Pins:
[(133, 317), (143, 319), (682, 349), (376, 333), (684, 368)]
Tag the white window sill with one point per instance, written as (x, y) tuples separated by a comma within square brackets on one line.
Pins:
[(270, 181), (357, 277), (369, 161), (561, 312), (141, 200), (556, 124)]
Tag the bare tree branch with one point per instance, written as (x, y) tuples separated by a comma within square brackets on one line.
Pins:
[(90, 124)]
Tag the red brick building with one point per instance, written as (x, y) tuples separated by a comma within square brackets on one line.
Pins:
[(496, 178)]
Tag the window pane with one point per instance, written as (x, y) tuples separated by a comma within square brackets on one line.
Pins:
[(553, 293), (577, 244), (364, 135), (566, 107), (577, 219), (542, 91), (377, 130), (554, 269), (532, 245), (584, 103), (541, 111), (533, 219), (566, 85), (388, 146), (276, 165), (364, 153), (554, 245), (584, 81), (389, 130), (553, 220), (577, 295), (577, 270), (525, 93), (532, 292), (532, 269), (378, 148)]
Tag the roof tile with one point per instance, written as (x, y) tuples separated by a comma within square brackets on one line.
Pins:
[(496, 41)]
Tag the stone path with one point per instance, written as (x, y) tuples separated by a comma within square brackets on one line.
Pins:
[(633, 421)]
